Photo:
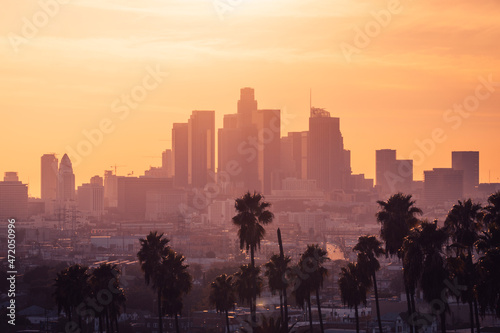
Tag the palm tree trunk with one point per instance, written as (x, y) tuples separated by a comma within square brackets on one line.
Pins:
[(443, 322), (100, 324), (177, 324), (413, 307), (227, 321), (478, 323), (107, 320), (408, 304), (356, 316), (310, 313), (281, 305), (253, 305), (375, 290), (319, 312), (159, 311), (285, 300), (471, 316)]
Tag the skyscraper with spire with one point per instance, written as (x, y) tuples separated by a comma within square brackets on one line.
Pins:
[(66, 179)]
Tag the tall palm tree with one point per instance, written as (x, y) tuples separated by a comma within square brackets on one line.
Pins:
[(71, 289), (398, 216), (311, 262), (301, 289), (176, 282), (431, 239), (464, 224), (248, 284), (102, 278), (352, 285), (369, 249), (154, 249), (275, 270), (252, 214), (488, 266), (222, 295)]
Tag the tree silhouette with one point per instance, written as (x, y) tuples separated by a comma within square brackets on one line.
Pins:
[(153, 249), (222, 295), (352, 285), (252, 214), (275, 270), (248, 284), (369, 249)]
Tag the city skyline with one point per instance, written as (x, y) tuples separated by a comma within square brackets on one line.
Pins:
[(391, 87)]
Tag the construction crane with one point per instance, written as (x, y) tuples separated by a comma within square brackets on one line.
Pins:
[(116, 166)]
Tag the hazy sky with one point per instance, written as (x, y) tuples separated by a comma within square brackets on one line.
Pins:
[(66, 72)]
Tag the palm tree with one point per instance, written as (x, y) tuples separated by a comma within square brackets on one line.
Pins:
[(431, 239), (398, 217), (301, 290), (248, 283), (176, 282), (267, 325), (102, 278), (153, 250), (369, 249), (311, 262), (252, 215), (275, 270), (488, 266), (352, 285), (71, 289), (222, 295), (464, 224)]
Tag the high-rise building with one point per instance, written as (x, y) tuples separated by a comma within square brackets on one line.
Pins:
[(443, 185), (468, 161), (133, 193), (267, 123), (49, 179), (66, 179), (90, 197), (201, 148), (167, 162), (110, 189), (326, 157), (13, 198), (294, 155), (247, 105), (392, 175), (180, 153)]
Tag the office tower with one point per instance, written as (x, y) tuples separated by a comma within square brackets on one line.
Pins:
[(133, 193), (13, 198), (247, 105), (294, 154), (392, 175), (229, 137), (326, 157), (167, 162), (66, 179), (443, 185), (110, 189), (201, 148), (49, 179), (268, 126), (180, 153), (468, 161), (90, 197)]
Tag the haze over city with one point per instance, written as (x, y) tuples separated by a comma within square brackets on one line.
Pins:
[(277, 166)]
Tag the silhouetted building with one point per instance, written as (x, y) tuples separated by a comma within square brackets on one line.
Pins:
[(268, 125), (132, 194), (167, 162), (66, 178), (90, 197), (247, 105), (13, 198), (392, 175), (294, 155), (443, 185), (180, 153), (326, 157), (201, 148), (165, 205), (49, 179), (110, 189), (468, 161)]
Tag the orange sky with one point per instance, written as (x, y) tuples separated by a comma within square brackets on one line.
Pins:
[(63, 76)]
